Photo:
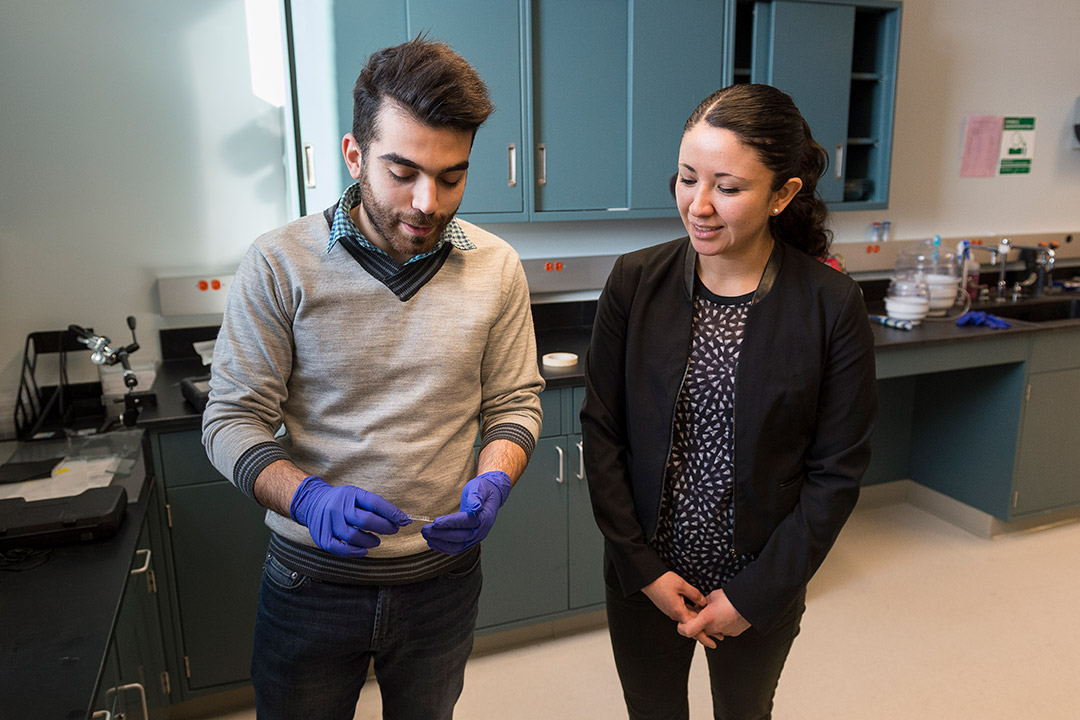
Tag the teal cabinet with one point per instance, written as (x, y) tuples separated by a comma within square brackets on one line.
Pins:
[(590, 97), (820, 87), (524, 556), (543, 558), (984, 421), (838, 62), (579, 70), (678, 60), (611, 90), (216, 542), (1048, 460), (135, 683)]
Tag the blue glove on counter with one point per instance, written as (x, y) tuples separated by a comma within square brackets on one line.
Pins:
[(341, 519), (977, 317), (481, 499)]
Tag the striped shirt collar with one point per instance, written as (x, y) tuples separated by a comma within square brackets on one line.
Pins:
[(343, 226)]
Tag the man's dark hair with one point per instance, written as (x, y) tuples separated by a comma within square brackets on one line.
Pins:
[(426, 78)]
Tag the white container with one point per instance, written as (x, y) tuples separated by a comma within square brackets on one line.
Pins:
[(908, 298), (943, 291)]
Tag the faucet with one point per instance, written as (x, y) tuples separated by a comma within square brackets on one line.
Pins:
[(999, 255), (1039, 263)]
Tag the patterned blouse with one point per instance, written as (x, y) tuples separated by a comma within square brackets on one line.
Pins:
[(697, 512)]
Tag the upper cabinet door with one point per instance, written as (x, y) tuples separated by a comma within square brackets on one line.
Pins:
[(678, 61), (487, 33), (809, 57), (333, 38), (579, 92), (330, 40), (838, 61)]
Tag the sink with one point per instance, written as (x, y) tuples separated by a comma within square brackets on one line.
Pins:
[(1036, 310)]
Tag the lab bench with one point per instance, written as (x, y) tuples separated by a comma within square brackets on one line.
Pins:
[(79, 632)]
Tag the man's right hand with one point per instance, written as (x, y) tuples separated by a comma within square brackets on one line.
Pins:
[(344, 519), (679, 600)]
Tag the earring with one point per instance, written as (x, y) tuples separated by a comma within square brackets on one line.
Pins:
[(776, 211)]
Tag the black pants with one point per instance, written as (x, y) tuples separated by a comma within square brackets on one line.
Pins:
[(653, 661)]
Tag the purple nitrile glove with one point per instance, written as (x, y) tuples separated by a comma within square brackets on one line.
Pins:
[(481, 499), (342, 519)]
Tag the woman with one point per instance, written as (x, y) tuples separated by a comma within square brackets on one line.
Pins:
[(729, 403)]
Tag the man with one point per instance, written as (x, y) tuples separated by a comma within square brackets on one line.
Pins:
[(380, 337)]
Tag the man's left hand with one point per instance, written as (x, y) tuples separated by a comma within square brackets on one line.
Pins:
[(481, 499)]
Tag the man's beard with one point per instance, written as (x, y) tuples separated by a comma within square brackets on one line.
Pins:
[(387, 223)]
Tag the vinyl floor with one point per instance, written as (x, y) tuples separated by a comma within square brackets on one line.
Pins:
[(910, 617)]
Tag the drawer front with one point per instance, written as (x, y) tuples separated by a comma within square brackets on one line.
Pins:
[(1056, 350)]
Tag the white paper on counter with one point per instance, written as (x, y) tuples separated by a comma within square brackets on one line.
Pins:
[(205, 348), (70, 477)]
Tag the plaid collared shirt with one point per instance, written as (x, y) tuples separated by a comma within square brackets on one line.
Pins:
[(404, 280)]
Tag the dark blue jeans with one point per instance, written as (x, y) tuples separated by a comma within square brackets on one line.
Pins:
[(653, 661), (314, 641)]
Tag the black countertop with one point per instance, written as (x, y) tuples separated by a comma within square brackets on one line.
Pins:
[(171, 410), (57, 619), (945, 330), (556, 333)]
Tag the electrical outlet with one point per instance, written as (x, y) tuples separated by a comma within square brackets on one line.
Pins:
[(193, 295)]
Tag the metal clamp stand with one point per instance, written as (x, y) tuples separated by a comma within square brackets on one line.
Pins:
[(105, 355)]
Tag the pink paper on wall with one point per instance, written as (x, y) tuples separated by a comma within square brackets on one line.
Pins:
[(982, 141)]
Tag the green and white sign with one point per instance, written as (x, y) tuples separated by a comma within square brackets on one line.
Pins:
[(1017, 146)]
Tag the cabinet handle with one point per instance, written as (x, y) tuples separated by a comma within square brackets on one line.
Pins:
[(101, 715), (146, 562), (839, 173), (541, 151), (559, 478), (309, 165), (131, 686), (511, 159), (581, 462)]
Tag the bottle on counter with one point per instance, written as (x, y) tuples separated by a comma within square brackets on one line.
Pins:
[(970, 269)]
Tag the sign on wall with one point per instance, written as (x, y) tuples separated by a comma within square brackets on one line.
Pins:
[(1017, 146), (998, 145)]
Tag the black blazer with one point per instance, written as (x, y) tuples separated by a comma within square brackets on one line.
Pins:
[(805, 401)]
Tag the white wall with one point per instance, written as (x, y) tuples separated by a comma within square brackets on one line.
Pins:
[(131, 147)]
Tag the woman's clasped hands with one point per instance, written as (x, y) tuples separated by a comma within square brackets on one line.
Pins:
[(706, 619)]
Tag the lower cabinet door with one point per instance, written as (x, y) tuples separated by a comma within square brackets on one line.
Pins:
[(1049, 454), (219, 543), (586, 560), (524, 556)]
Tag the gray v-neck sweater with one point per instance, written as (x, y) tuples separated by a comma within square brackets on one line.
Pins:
[(372, 391)]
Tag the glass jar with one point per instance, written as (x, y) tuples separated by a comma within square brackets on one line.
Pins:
[(936, 266), (908, 298)]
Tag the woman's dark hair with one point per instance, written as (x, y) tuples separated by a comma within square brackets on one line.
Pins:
[(767, 120), (438, 86)]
